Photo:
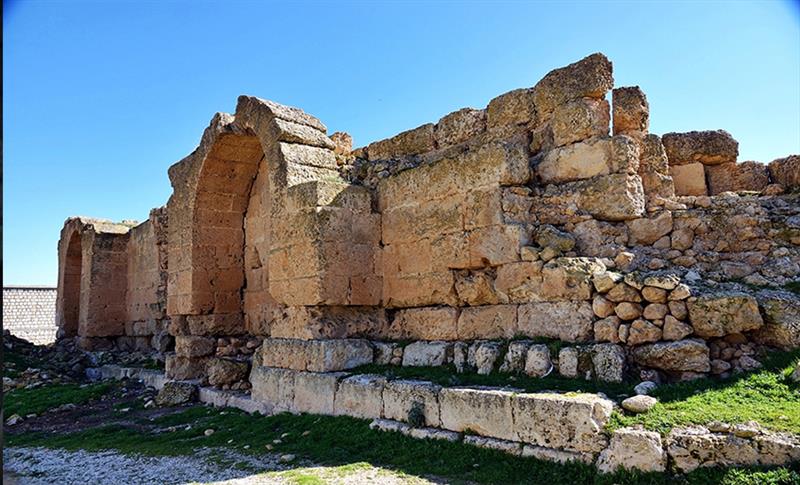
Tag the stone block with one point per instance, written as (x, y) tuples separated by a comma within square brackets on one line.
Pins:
[(786, 171), (519, 282), (178, 367), (360, 396), (484, 411), (631, 111), (422, 354), (426, 323), (720, 314), (487, 322), (476, 288), (689, 179), (633, 449), (706, 147), (411, 142), (682, 355), (328, 355), (556, 456), (590, 158), (569, 321), (400, 397), (314, 392), (570, 422), (608, 362), (591, 77), (274, 387), (510, 447), (460, 126), (578, 120), (193, 346), (781, 311), (225, 371), (495, 245), (514, 108), (615, 197), (569, 278), (647, 230)]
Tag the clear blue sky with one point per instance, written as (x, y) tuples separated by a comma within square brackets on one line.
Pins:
[(101, 97)]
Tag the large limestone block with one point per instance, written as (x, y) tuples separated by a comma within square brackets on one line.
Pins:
[(647, 230), (590, 158), (570, 321), (786, 171), (328, 355), (569, 278), (573, 422), (460, 126), (194, 346), (412, 142), (360, 396), (484, 411), (484, 166), (178, 367), (615, 197), (274, 387), (425, 354), (400, 397), (494, 245), (426, 323), (706, 147), (578, 120), (689, 179), (520, 282), (682, 355), (590, 77), (781, 311), (631, 110), (693, 447), (511, 109), (487, 322), (633, 449), (314, 392), (720, 314)]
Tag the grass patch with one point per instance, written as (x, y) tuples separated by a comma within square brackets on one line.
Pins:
[(38, 400), (337, 441), (793, 286), (767, 396), (447, 376)]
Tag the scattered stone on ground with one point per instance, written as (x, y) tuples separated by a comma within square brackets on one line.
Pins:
[(639, 404)]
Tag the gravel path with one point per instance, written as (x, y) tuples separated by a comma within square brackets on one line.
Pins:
[(38, 466)]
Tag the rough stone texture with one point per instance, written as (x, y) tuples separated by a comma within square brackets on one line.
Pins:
[(683, 355), (567, 321), (608, 362), (484, 411), (573, 422), (427, 323), (360, 396), (225, 371), (786, 171), (631, 111), (717, 315), (706, 147), (175, 393), (781, 312), (591, 77), (274, 387), (314, 392), (591, 158), (689, 179), (316, 355), (633, 449), (401, 396), (427, 354)]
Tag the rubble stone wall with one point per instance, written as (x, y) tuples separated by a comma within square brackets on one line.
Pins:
[(29, 312)]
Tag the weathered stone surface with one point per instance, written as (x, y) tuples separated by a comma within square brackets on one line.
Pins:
[(567, 321), (476, 288), (460, 126), (408, 401), (607, 329), (781, 312), (511, 109), (192, 346), (316, 355), (274, 387), (360, 396), (602, 307), (427, 354), (642, 331), (314, 392), (608, 362), (587, 159), (646, 231), (731, 177), (628, 311), (556, 456), (720, 314), (487, 322), (693, 447), (537, 361), (225, 371), (515, 358), (683, 355), (484, 411), (510, 447), (631, 110), (689, 179), (411, 142), (590, 77), (633, 449), (639, 404), (175, 393), (616, 197), (571, 422), (549, 236), (426, 323), (786, 171), (675, 329), (706, 147), (578, 120), (178, 367)]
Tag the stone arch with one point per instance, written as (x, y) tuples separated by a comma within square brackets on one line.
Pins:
[(266, 144), (69, 299)]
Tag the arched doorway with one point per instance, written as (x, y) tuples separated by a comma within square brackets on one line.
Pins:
[(73, 264)]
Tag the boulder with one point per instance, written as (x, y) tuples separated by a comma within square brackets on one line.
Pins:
[(225, 371), (639, 404), (608, 362), (633, 449), (549, 236), (781, 311), (723, 313), (424, 353), (460, 126), (682, 355), (537, 361), (645, 231), (591, 77)]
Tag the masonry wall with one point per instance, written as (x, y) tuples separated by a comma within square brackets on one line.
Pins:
[(30, 313)]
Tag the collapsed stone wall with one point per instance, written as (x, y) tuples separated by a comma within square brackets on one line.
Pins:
[(29, 312), (550, 216)]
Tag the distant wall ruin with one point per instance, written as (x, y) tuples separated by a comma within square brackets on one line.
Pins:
[(29, 312)]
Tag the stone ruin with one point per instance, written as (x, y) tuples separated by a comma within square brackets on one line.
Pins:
[(284, 258)]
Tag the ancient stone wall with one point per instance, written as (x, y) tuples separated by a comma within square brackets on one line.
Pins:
[(29, 312)]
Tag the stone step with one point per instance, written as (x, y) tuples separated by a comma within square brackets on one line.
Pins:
[(328, 355)]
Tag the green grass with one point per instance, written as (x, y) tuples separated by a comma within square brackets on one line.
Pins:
[(447, 376), (38, 400), (793, 286), (767, 396), (336, 441)]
